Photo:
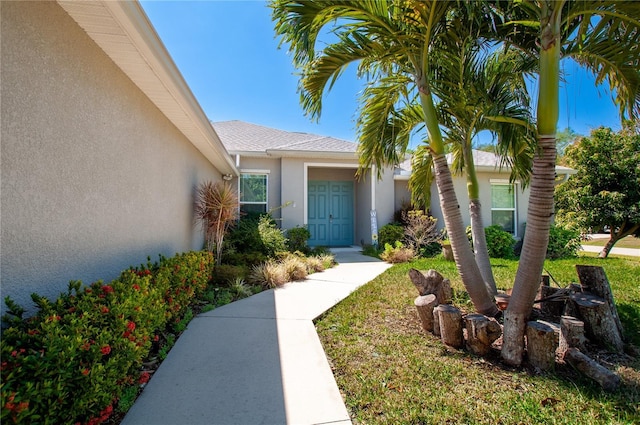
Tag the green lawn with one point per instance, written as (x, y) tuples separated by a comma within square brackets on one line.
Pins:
[(391, 372), (628, 242)]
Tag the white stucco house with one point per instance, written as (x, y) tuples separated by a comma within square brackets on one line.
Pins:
[(310, 180), (102, 146)]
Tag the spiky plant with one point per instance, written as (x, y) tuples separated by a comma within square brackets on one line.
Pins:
[(216, 210)]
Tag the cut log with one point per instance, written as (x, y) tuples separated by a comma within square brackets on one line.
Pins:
[(594, 280), (571, 334), (548, 305), (432, 282), (608, 380), (425, 304), (599, 323), (541, 345), (436, 320), (481, 332), (556, 333), (450, 320)]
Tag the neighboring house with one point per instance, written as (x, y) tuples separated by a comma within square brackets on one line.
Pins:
[(503, 203), (308, 180), (103, 146)]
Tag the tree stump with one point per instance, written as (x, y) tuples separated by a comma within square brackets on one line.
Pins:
[(450, 320), (599, 323), (549, 306), (594, 280), (432, 282), (571, 334), (541, 345), (608, 380), (425, 305), (436, 320), (481, 332), (556, 333)]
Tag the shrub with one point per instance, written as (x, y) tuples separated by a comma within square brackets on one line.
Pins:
[(74, 359), (420, 230), (390, 234), (328, 260), (295, 267), (270, 274), (430, 250), (297, 238), (226, 274), (500, 243), (272, 238), (314, 264), (397, 253), (563, 243)]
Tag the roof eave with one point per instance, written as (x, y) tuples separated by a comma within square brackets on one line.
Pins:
[(281, 153), (151, 69)]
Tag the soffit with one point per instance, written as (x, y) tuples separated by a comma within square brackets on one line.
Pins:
[(123, 31)]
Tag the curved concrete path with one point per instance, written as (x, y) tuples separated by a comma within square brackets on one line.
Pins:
[(257, 360)]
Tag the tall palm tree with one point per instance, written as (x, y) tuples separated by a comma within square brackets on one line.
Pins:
[(602, 36), (477, 91), (393, 44)]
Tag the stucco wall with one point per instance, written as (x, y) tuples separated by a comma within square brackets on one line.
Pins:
[(484, 180), (94, 177), (274, 180)]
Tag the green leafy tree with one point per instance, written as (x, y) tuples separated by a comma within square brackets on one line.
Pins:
[(606, 189), (564, 139)]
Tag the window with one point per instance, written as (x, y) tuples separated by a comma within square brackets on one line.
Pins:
[(253, 192), (503, 206)]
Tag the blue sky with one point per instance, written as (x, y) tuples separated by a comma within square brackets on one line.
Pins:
[(229, 56)]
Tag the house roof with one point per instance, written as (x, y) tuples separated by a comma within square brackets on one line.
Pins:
[(248, 139), (123, 31), (484, 161)]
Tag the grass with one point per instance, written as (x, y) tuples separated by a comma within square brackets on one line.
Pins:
[(628, 242), (390, 371)]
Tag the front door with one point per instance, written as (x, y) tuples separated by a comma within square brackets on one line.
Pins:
[(330, 212)]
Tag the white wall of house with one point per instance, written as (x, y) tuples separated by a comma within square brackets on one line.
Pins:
[(485, 180), (250, 164), (94, 177)]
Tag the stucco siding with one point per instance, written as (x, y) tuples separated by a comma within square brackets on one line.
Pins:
[(94, 177), (274, 179)]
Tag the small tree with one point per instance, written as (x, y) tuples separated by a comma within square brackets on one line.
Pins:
[(606, 189), (216, 210)]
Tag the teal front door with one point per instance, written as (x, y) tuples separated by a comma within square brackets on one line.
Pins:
[(330, 213)]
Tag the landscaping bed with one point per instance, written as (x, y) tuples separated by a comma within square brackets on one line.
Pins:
[(390, 371)]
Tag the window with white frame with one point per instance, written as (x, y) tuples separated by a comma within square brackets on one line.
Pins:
[(503, 206), (253, 192)]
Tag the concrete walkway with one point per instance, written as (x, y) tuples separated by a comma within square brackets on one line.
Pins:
[(631, 252), (257, 360)]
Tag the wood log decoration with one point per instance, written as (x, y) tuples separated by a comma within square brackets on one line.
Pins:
[(549, 306), (599, 323), (541, 345), (436, 320), (425, 305), (571, 334), (432, 282), (608, 380), (593, 279), (481, 333), (450, 321)]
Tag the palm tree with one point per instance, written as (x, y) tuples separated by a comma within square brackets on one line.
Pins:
[(477, 92), (602, 36), (394, 44)]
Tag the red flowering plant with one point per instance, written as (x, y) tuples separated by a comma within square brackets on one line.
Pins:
[(71, 361)]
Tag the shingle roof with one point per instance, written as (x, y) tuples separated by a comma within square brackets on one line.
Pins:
[(481, 159), (240, 136)]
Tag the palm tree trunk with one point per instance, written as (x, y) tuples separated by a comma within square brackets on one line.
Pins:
[(480, 246), (477, 226), (462, 253), (540, 210)]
